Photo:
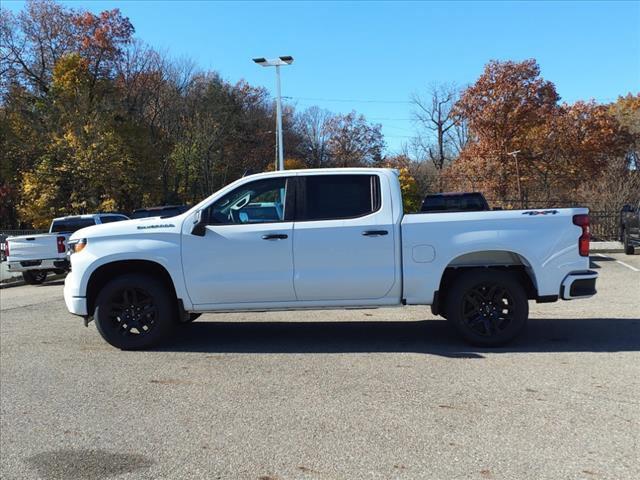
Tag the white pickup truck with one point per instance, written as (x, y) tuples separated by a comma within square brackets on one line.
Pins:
[(37, 255), (324, 239)]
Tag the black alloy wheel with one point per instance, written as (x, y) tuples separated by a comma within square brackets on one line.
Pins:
[(135, 312), (132, 311), (487, 307)]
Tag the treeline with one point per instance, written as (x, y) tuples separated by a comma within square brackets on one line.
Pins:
[(510, 136), (92, 119)]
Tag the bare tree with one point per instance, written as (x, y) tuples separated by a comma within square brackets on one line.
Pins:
[(441, 135), (354, 142), (314, 128)]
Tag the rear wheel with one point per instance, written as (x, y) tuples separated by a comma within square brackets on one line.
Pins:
[(34, 277), (134, 312), (488, 307), (628, 248)]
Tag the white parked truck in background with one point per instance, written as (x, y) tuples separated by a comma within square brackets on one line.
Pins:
[(324, 239), (37, 255)]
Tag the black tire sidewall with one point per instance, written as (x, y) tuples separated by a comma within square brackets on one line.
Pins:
[(165, 319), (628, 249), (471, 279), (30, 277)]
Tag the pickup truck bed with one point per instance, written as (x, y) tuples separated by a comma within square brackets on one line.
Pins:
[(326, 238), (36, 255)]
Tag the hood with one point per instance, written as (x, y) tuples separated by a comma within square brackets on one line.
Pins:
[(140, 226)]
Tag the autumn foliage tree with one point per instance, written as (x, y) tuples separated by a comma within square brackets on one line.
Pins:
[(93, 119), (525, 147)]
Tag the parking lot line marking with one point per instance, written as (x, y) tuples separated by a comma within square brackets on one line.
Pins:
[(619, 261)]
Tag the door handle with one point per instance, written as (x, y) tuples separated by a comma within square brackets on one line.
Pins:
[(275, 236), (375, 233)]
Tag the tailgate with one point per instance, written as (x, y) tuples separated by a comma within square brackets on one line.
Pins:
[(36, 247)]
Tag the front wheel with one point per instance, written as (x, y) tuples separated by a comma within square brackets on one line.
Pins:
[(34, 277), (488, 308), (134, 312)]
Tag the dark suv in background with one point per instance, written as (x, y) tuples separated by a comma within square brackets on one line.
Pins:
[(630, 227), (454, 202), (164, 211)]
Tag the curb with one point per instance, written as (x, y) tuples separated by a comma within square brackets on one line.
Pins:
[(19, 282), (9, 284)]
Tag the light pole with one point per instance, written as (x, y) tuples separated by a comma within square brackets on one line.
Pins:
[(514, 154), (277, 62)]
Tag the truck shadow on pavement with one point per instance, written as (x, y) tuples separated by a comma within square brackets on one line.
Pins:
[(433, 337)]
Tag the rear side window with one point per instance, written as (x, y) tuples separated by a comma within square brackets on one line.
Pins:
[(112, 218), (70, 225), (334, 197)]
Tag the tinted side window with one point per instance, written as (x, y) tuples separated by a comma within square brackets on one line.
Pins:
[(443, 203), (140, 214), (112, 218), (332, 197), (262, 201)]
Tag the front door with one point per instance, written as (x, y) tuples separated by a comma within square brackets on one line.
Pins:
[(245, 255)]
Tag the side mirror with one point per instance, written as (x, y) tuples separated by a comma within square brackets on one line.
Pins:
[(199, 224)]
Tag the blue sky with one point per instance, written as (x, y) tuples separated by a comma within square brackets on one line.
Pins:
[(370, 56)]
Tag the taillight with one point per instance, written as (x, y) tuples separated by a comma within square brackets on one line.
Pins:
[(61, 247), (583, 242)]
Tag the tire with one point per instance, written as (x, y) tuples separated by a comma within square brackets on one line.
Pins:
[(120, 312), (473, 307), (628, 248), (34, 277)]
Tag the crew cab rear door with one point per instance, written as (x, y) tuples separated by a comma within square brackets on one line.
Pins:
[(343, 242)]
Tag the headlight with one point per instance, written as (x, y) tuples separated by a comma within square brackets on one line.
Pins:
[(76, 246)]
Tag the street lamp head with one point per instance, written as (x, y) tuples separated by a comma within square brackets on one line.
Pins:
[(276, 62)]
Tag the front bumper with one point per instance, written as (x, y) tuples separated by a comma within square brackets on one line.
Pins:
[(75, 305), (579, 285)]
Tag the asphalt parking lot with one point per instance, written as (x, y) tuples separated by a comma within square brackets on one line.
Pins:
[(389, 393)]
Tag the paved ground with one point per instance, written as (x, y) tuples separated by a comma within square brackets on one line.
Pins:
[(326, 395)]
